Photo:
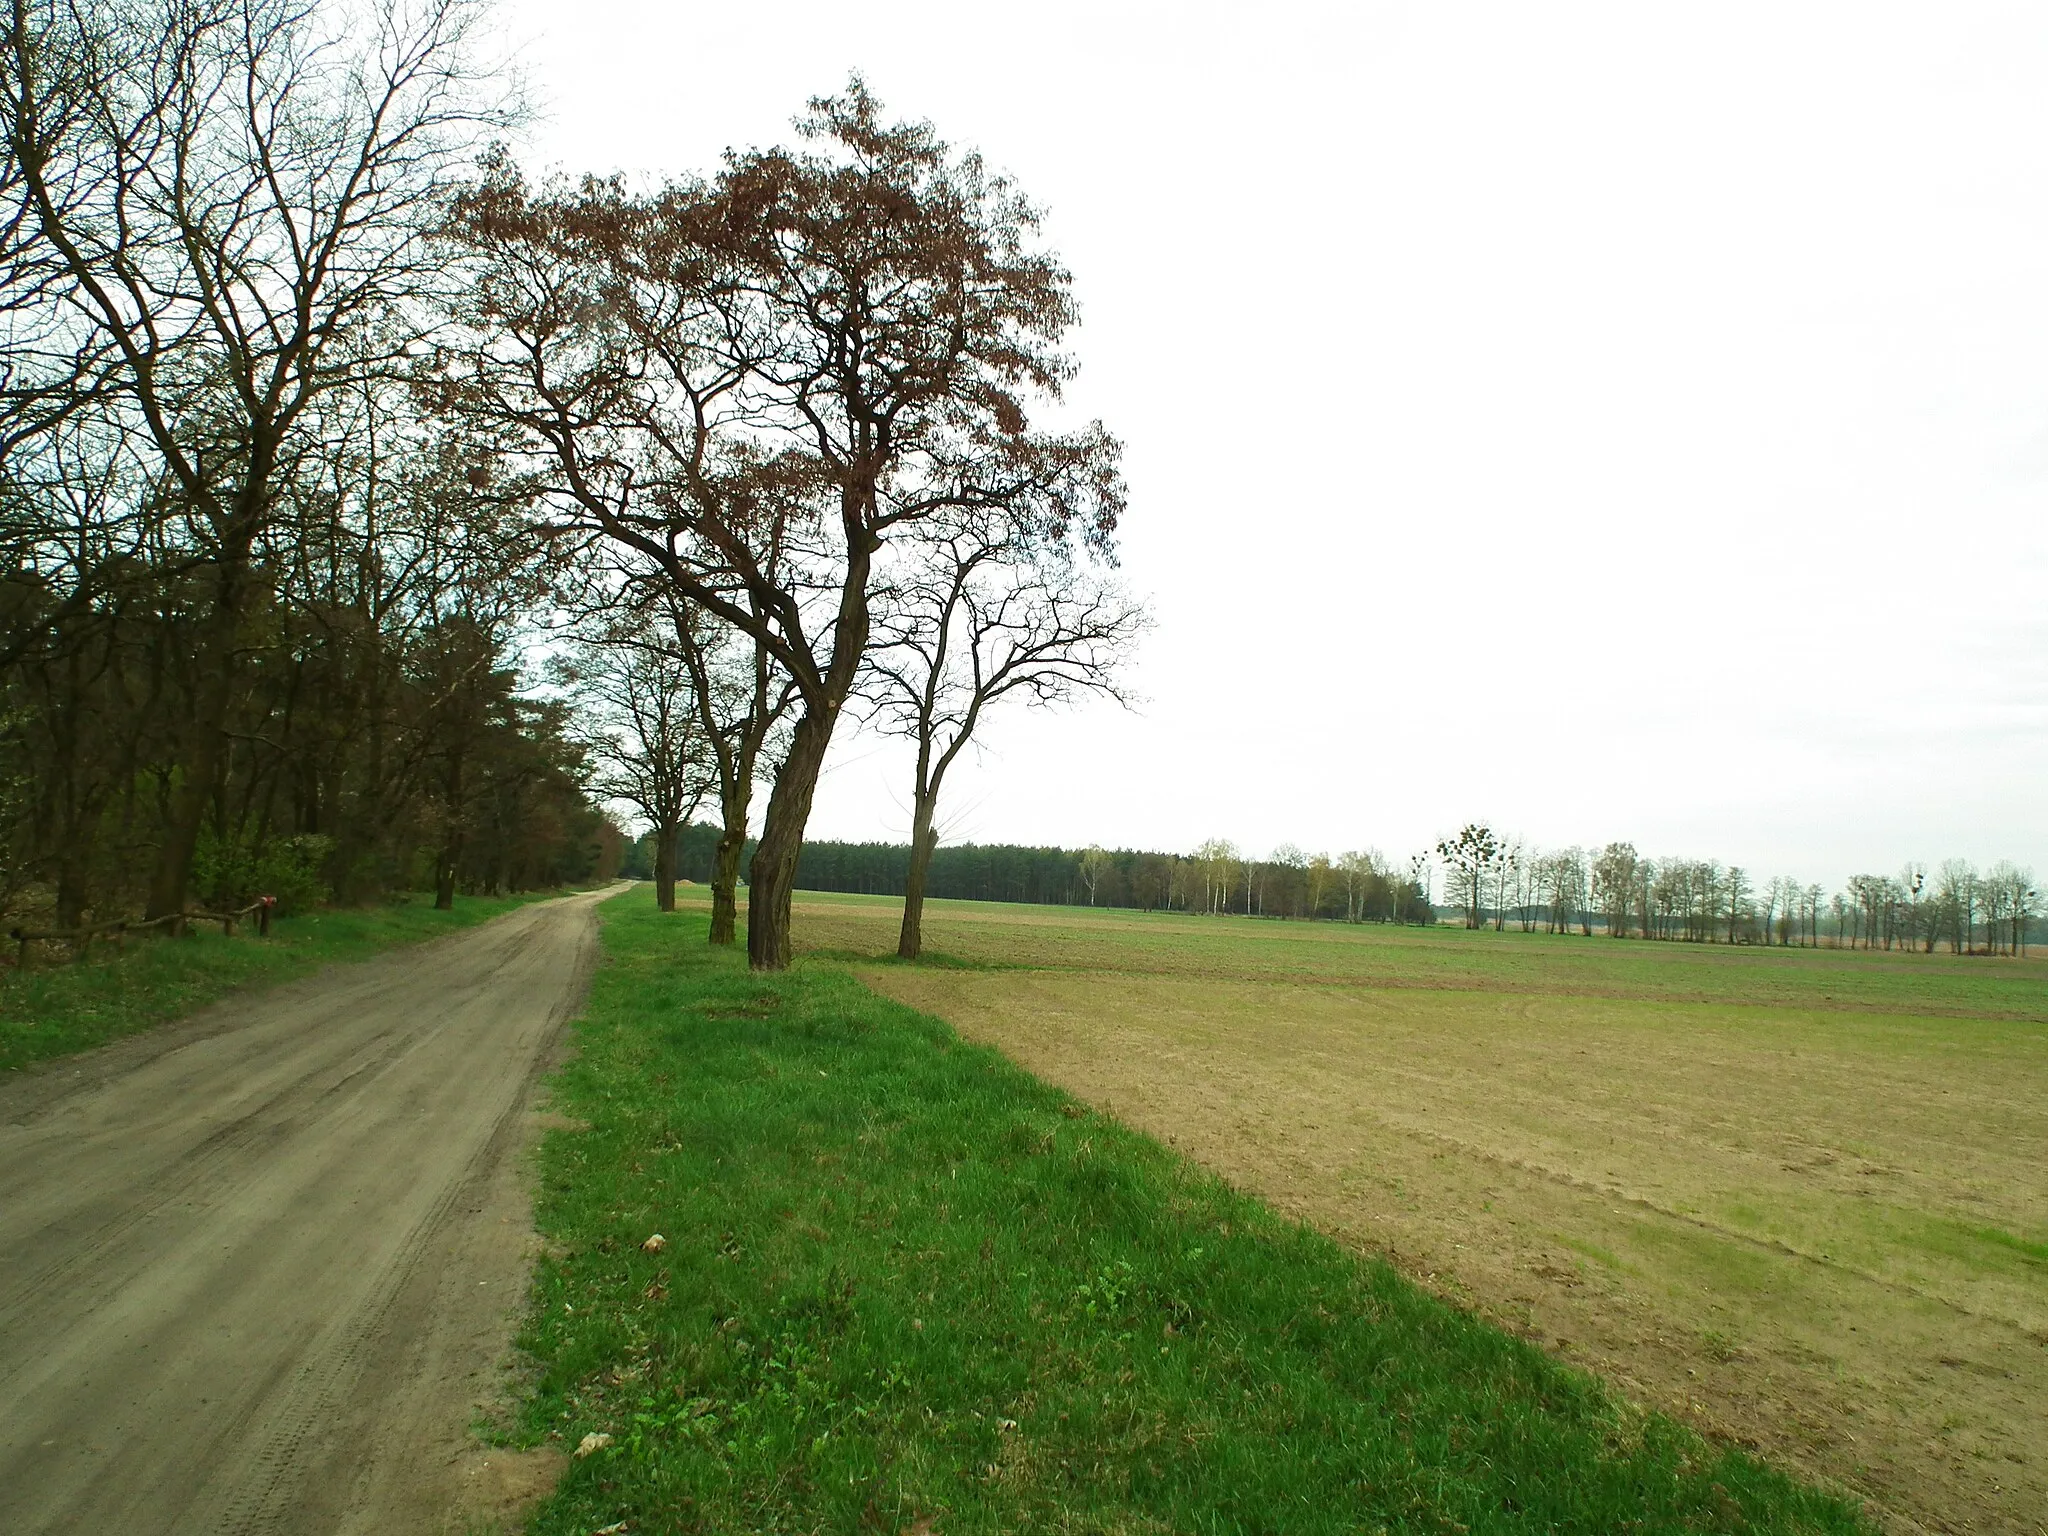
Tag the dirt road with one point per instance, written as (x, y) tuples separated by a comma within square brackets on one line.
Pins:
[(256, 1270)]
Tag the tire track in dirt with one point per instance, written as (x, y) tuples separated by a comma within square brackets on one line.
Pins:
[(227, 1248)]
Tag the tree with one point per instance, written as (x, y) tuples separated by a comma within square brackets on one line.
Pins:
[(1471, 857), (2010, 891), (1217, 860), (1913, 881), (1565, 887), (1956, 899), (1094, 864), (1419, 879), (991, 610), (1614, 885), (1507, 867), (225, 203), (742, 697), (645, 740), (1358, 871), (1320, 875), (846, 342), (1735, 891)]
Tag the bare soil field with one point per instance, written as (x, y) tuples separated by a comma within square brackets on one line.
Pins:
[(259, 1271), (1797, 1199)]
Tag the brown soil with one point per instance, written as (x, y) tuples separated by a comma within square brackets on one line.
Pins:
[(259, 1271)]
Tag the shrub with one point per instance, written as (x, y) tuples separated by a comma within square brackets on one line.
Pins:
[(232, 874)]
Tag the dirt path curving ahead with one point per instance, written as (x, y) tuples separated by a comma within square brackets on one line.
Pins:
[(258, 1270)]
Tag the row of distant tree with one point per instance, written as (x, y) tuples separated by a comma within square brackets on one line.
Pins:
[(1360, 887), (1490, 881), (1355, 888), (1490, 878)]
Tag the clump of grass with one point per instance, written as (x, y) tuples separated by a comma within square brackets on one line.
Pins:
[(55, 1010), (904, 1285)]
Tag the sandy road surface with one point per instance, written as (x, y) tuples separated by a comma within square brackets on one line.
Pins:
[(255, 1270)]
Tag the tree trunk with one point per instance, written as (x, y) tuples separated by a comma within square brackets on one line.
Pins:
[(725, 879), (444, 877), (772, 874), (923, 841), (665, 866), (771, 877), (172, 877), (71, 886)]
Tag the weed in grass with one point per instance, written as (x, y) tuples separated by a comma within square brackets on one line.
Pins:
[(905, 1283)]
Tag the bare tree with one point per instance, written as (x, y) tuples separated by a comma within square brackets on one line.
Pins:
[(989, 613), (2011, 901), (1614, 884), (1565, 887), (644, 734), (1419, 877), (1956, 898), (1735, 892), (1913, 882), (1506, 876)]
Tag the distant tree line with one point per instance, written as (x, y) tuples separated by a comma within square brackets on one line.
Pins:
[(1618, 892), (1356, 887), (1490, 881)]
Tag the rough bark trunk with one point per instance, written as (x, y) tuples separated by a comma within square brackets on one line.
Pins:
[(665, 867), (772, 874), (725, 879), (444, 878), (910, 942), (172, 878), (171, 881)]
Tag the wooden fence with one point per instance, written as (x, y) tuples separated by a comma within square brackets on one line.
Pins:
[(119, 929)]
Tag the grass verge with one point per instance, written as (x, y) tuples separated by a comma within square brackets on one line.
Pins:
[(906, 1286), (55, 1010)]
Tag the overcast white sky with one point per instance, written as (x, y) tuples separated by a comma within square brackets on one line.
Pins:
[(1614, 421)]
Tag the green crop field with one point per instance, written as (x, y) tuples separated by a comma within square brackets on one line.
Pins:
[(1794, 1197), (901, 1285)]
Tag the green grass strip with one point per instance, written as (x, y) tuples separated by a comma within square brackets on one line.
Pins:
[(55, 1009), (907, 1286)]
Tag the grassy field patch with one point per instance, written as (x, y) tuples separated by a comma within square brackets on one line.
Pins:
[(54, 1010), (903, 1285)]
